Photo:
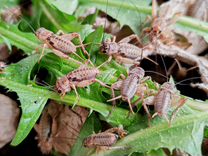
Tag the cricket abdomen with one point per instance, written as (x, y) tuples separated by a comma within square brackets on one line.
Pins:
[(162, 103), (129, 87), (129, 50), (61, 44)]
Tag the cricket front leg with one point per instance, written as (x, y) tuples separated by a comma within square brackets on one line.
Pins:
[(181, 102), (77, 96), (148, 101), (130, 106)]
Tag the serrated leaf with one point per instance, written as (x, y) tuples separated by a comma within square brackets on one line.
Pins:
[(58, 20), (194, 25), (122, 11), (185, 133), (28, 42), (65, 6), (20, 72), (31, 104)]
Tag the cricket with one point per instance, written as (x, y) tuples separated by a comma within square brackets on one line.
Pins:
[(102, 77)]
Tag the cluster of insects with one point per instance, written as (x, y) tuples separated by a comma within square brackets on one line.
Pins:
[(124, 52)]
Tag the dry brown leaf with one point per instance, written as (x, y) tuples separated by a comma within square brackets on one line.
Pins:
[(9, 115), (59, 127), (4, 52), (11, 15), (194, 8), (110, 27), (181, 55)]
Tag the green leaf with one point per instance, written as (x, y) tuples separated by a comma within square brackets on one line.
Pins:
[(65, 6), (122, 11), (28, 42), (21, 71), (8, 3), (31, 104), (16, 78), (194, 25), (159, 152), (185, 133), (58, 20)]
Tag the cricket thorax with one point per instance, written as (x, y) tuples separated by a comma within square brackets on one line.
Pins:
[(129, 50), (163, 103), (42, 34), (137, 72), (129, 87)]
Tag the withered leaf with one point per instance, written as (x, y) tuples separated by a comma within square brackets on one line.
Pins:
[(59, 127), (9, 115), (194, 8)]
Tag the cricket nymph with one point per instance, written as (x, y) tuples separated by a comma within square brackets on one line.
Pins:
[(163, 99), (82, 77), (130, 84), (104, 139), (125, 52), (100, 139), (61, 43)]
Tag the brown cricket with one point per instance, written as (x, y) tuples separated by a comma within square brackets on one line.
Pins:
[(60, 43), (124, 52), (162, 102), (128, 87), (106, 139), (81, 77)]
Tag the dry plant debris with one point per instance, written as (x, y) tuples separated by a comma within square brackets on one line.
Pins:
[(59, 127), (9, 116)]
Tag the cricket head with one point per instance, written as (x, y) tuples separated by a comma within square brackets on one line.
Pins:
[(42, 34), (168, 86), (88, 142), (138, 71), (63, 85), (109, 47)]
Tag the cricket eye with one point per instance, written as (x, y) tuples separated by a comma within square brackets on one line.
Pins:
[(59, 91), (116, 135)]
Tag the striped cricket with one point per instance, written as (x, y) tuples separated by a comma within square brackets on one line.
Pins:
[(106, 139)]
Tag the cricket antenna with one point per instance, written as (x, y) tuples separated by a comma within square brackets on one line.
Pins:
[(188, 79)]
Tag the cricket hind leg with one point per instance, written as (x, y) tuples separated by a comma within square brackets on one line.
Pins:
[(182, 101), (76, 35), (62, 55), (131, 38), (130, 106)]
